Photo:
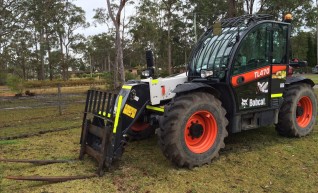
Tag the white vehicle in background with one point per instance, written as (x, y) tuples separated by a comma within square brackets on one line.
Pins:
[(315, 69)]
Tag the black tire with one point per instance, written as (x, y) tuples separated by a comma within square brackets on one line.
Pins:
[(175, 135), (297, 115)]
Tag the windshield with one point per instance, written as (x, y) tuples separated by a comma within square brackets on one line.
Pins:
[(213, 52)]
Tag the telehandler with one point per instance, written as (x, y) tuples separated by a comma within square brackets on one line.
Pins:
[(237, 79)]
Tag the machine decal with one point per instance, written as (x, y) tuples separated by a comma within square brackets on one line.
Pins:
[(278, 95), (249, 103), (262, 87), (130, 111), (154, 81), (279, 74), (159, 109), (120, 100), (127, 87), (257, 102), (278, 68), (244, 103), (251, 76), (262, 72)]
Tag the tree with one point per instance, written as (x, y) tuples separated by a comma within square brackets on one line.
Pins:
[(73, 17), (299, 9), (119, 63), (170, 6), (312, 50), (249, 6), (11, 12), (146, 33)]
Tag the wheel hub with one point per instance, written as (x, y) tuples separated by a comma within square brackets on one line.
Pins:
[(304, 112), (299, 111), (200, 132), (196, 130)]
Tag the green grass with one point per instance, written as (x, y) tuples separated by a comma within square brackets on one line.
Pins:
[(8, 142), (313, 77), (252, 161), (22, 122)]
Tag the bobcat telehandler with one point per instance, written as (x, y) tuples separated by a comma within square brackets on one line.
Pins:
[(237, 79)]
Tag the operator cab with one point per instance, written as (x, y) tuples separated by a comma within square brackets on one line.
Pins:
[(246, 60), (243, 43)]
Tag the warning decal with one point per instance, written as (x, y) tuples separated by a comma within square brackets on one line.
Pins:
[(130, 111)]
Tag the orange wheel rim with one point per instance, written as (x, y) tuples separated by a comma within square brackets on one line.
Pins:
[(139, 126), (304, 112), (200, 132)]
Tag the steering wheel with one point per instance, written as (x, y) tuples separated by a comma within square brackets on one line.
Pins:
[(256, 61)]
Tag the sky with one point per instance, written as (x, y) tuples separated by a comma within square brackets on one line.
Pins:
[(88, 6)]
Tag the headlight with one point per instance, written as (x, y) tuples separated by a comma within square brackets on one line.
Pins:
[(146, 73), (206, 73)]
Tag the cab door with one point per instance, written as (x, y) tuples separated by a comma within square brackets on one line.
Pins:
[(251, 69), (281, 35)]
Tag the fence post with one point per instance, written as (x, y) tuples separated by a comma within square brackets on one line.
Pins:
[(59, 95)]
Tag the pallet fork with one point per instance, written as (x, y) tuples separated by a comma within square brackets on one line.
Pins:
[(106, 120)]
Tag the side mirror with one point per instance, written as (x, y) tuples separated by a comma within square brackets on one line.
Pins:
[(300, 64)]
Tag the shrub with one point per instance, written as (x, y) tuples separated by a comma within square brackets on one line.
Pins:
[(15, 83), (3, 77)]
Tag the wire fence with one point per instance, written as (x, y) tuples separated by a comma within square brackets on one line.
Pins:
[(46, 110)]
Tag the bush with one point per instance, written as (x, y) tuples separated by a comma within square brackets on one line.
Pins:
[(3, 77), (15, 83), (130, 76)]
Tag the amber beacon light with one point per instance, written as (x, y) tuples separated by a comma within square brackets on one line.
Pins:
[(288, 17)]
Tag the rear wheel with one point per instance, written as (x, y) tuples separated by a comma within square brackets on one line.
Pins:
[(193, 129), (297, 115)]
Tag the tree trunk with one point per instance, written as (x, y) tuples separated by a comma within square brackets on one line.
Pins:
[(232, 8), (23, 66), (119, 63), (249, 6), (42, 53), (49, 55), (66, 64), (108, 60), (62, 57), (37, 56), (169, 45)]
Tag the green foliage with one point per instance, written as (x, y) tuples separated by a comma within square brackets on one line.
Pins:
[(41, 49), (15, 83), (312, 51), (55, 83), (302, 11), (131, 76), (3, 78)]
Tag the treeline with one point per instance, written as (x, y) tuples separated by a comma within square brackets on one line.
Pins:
[(38, 39)]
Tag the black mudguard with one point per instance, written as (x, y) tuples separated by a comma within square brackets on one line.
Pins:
[(299, 79), (191, 86)]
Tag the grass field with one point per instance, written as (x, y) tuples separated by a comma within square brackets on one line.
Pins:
[(252, 161), (313, 77)]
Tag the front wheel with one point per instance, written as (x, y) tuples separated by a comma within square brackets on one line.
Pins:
[(298, 112), (140, 131), (193, 129)]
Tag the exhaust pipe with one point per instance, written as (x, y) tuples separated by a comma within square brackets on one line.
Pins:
[(149, 72)]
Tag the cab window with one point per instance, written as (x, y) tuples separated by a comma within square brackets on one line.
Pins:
[(280, 34), (254, 49)]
